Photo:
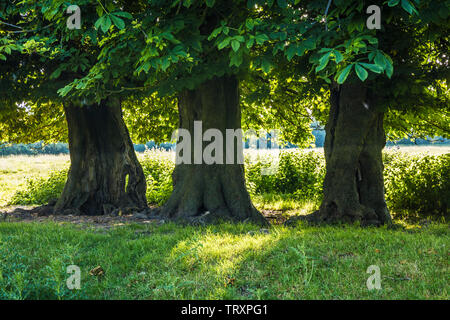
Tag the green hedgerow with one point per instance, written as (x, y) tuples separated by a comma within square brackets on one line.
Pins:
[(417, 184), (299, 173), (39, 190)]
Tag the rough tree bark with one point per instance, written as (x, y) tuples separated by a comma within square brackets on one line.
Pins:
[(353, 187), (104, 173), (210, 192)]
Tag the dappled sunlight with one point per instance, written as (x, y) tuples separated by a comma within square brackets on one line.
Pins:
[(220, 256), (280, 202), (228, 261), (221, 252)]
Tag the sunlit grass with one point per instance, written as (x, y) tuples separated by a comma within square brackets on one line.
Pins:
[(281, 202), (223, 262)]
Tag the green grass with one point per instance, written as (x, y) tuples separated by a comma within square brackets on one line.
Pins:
[(223, 262), (285, 203)]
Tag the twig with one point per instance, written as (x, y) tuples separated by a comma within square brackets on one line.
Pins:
[(103, 6), (11, 25), (326, 12), (33, 30)]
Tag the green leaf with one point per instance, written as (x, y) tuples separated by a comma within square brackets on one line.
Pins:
[(63, 91), (372, 67), (99, 22), (2, 57), (224, 43), (123, 14), (265, 65), (323, 50), (260, 38), (408, 7), (326, 79), (167, 35), (210, 3), (250, 42), (99, 10), (250, 24), (187, 3), (393, 3), (56, 73), (323, 61), (106, 23), (338, 56), (389, 68), (343, 74), (235, 45), (291, 51), (165, 64), (310, 43), (119, 23), (361, 72), (215, 33), (236, 60), (380, 60)]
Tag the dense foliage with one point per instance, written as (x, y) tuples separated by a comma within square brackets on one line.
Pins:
[(284, 51), (418, 184)]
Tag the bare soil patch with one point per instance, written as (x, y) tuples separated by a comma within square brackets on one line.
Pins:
[(32, 214)]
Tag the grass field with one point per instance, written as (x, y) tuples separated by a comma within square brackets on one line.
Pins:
[(167, 261), (222, 262)]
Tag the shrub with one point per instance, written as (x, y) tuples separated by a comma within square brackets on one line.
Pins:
[(299, 173), (417, 185), (39, 190), (158, 166)]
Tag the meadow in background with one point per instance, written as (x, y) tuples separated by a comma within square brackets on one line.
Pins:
[(417, 179)]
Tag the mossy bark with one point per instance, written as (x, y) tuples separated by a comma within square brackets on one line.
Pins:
[(104, 173), (211, 192), (353, 187)]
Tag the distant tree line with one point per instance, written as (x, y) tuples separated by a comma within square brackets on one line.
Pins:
[(319, 136), (7, 149), (63, 148)]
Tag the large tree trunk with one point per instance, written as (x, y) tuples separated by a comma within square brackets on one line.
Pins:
[(211, 192), (104, 173), (353, 186)]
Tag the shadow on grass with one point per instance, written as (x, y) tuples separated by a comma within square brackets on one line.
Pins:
[(220, 262)]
